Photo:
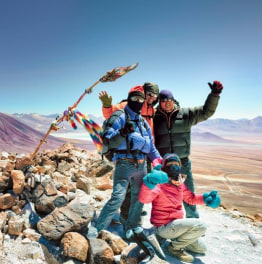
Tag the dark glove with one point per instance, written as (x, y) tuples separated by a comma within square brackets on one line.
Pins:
[(212, 199), (105, 99), (127, 129), (155, 177), (216, 87)]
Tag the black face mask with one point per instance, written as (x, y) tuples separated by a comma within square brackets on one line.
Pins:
[(135, 106), (172, 171)]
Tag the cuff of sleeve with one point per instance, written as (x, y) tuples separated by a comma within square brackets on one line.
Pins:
[(157, 161)]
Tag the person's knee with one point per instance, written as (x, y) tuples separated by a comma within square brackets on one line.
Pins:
[(202, 228), (116, 200)]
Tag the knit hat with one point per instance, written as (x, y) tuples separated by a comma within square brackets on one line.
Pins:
[(151, 87), (136, 90), (166, 94)]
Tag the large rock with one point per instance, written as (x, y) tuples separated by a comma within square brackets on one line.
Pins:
[(84, 183), (75, 245), (100, 168), (23, 162), (99, 252), (32, 234), (7, 201), (18, 178), (46, 204), (16, 225), (114, 241), (73, 217)]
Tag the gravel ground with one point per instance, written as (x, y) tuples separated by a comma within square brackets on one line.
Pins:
[(229, 238)]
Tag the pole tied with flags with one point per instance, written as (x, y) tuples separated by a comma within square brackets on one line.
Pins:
[(94, 129)]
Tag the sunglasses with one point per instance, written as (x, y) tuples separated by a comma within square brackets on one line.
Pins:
[(138, 99), (152, 94), (166, 100)]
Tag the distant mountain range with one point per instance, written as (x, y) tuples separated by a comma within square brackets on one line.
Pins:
[(18, 137), (23, 132), (240, 125), (43, 122)]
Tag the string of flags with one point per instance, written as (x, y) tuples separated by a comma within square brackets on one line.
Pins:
[(71, 115)]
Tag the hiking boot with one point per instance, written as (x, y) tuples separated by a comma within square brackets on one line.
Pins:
[(180, 254), (198, 247)]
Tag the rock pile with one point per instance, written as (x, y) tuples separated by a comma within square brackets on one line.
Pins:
[(50, 202)]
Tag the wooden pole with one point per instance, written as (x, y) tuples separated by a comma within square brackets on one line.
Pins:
[(41, 142), (87, 91), (61, 118)]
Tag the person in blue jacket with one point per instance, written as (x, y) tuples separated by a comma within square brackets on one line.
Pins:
[(133, 142)]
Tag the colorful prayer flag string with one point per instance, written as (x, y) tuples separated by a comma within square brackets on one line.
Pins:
[(94, 130)]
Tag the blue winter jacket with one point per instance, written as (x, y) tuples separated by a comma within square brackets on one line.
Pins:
[(140, 141)]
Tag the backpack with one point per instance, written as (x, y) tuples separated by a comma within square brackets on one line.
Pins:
[(107, 151)]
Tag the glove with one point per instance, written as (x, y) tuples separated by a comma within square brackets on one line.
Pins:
[(127, 129), (212, 199), (155, 177), (105, 99), (216, 87), (158, 167)]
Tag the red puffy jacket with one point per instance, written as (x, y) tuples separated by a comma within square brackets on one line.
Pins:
[(167, 201)]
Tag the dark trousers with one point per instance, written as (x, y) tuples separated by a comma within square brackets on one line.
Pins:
[(191, 210), (124, 209)]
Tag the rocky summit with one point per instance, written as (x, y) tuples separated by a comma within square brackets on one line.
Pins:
[(48, 206), (50, 201)]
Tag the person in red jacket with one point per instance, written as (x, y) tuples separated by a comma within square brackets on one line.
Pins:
[(166, 190)]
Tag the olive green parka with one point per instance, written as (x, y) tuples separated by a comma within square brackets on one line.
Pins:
[(173, 130)]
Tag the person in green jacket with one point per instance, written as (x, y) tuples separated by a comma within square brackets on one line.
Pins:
[(172, 130)]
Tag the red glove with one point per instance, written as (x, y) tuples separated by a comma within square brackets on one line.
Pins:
[(216, 87)]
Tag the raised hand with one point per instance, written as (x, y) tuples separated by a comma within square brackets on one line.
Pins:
[(216, 87), (212, 199), (155, 177), (105, 99)]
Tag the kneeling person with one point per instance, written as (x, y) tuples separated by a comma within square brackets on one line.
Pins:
[(167, 192)]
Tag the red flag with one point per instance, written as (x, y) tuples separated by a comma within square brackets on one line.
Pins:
[(117, 73)]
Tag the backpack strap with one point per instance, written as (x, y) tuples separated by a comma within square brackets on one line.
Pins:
[(127, 116)]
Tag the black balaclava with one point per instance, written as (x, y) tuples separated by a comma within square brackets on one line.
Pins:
[(136, 91), (173, 170)]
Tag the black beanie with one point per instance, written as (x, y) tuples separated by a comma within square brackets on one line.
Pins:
[(151, 87)]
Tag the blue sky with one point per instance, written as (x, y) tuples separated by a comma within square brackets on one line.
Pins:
[(51, 51)]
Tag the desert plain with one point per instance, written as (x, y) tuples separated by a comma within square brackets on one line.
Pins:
[(234, 169)]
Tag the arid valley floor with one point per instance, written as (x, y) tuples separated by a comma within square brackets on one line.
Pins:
[(234, 169)]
